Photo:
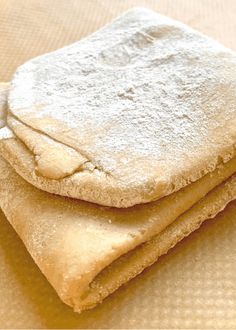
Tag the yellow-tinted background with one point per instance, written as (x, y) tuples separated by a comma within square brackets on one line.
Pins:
[(194, 286), (32, 27)]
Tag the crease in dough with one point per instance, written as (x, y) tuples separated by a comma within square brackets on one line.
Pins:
[(53, 159), (135, 261)]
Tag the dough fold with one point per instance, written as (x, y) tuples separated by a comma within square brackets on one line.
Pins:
[(148, 158), (87, 251), (128, 115)]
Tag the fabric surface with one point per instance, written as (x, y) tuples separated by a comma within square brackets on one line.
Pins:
[(32, 27), (194, 285)]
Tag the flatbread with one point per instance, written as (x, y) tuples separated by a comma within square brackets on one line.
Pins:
[(87, 251), (132, 113)]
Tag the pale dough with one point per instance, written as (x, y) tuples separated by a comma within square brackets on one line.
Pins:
[(87, 251), (76, 243), (65, 159), (132, 113), (4, 88)]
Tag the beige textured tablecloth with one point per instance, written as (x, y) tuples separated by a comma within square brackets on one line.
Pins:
[(194, 286)]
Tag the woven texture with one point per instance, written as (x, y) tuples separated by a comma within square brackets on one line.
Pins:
[(32, 27), (191, 287)]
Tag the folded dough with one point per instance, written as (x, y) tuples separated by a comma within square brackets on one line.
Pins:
[(136, 111), (4, 88), (87, 251), (157, 120)]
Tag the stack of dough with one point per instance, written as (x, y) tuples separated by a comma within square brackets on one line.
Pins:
[(136, 125)]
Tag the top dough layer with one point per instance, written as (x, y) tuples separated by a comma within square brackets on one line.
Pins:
[(147, 101)]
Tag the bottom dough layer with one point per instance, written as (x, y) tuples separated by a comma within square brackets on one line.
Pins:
[(135, 261), (85, 251)]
